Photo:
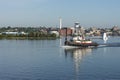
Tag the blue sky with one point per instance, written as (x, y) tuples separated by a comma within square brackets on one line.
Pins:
[(100, 13)]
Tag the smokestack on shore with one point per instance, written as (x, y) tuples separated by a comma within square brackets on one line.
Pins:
[(60, 23)]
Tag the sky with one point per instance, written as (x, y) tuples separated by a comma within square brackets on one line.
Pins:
[(89, 13)]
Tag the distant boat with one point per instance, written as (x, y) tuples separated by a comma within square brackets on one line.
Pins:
[(105, 38)]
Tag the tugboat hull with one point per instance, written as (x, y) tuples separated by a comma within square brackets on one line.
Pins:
[(82, 45)]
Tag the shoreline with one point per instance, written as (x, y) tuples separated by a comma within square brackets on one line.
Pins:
[(28, 38)]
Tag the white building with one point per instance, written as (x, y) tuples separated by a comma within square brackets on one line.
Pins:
[(14, 33), (55, 32)]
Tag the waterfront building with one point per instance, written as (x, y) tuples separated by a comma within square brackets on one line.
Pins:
[(63, 31)]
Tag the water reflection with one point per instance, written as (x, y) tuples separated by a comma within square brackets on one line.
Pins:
[(77, 55)]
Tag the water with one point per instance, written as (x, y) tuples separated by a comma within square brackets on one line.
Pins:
[(45, 60)]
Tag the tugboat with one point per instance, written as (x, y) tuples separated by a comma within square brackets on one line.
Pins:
[(78, 40)]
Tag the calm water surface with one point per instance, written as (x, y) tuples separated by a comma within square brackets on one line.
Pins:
[(45, 60)]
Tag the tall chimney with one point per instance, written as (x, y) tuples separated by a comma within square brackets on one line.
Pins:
[(60, 23)]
